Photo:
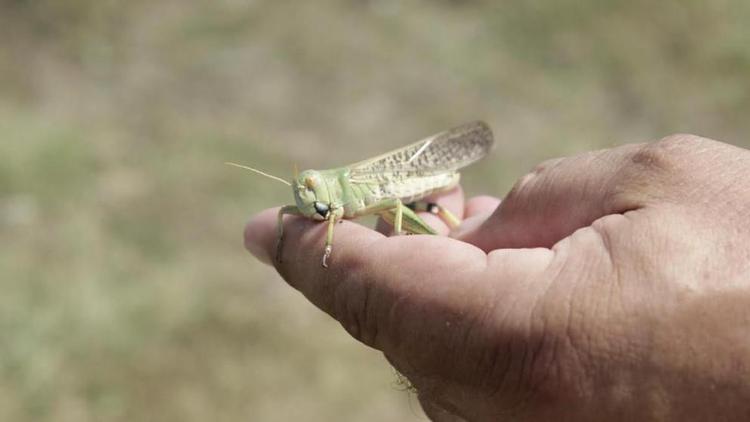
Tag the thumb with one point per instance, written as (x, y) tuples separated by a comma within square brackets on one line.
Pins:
[(562, 195)]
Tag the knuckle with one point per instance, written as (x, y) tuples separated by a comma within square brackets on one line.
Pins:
[(652, 157), (651, 169), (668, 154), (523, 184)]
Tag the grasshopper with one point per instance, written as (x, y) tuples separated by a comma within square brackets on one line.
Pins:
[(388, 185)]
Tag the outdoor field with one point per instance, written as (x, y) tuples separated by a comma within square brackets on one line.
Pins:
[(125, 290)]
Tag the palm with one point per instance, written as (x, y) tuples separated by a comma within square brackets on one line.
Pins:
[(583, 296)]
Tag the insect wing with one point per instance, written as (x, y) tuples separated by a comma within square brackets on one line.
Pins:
[(445, 152)]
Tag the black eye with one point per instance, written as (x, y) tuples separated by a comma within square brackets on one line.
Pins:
[(321, 209)]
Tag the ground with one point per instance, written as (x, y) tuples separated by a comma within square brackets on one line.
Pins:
[(127, 294)]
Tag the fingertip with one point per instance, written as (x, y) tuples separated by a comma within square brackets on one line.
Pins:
[(474, 229), (470, 226), (480, 205), (435, 222), (260, 235), (452, 200)]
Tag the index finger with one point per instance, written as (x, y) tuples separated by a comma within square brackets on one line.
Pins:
[(367, 271)]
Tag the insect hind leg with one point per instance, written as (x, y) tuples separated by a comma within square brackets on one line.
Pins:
[(448, 217), (411, 223)]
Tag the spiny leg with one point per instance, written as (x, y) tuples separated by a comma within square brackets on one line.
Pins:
[(392, 210), (329, 241), (378, 207), (399, 218), (411, 222), (288, 209), (448, 217)]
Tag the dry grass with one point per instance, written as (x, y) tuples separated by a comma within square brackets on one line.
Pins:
[(126, 292)]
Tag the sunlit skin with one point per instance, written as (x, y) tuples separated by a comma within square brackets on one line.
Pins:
[(613, 285)]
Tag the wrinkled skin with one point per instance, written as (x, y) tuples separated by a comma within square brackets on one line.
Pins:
[(613, 285)]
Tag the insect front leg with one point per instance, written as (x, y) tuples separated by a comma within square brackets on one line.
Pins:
[(329, 240), (288, 209)]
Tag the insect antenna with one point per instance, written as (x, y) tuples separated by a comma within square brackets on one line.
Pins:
[(296, 171), (270, 176)]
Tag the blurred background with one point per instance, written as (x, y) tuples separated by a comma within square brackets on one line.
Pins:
[(125, 292)]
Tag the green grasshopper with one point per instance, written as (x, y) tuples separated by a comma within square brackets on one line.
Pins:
[(384, 184)]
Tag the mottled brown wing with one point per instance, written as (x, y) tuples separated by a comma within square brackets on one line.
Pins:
[(445, 152)]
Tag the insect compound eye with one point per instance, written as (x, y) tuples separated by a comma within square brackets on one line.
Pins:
[(321, 209)]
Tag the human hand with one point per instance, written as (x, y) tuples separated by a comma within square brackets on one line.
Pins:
[(610, 285)]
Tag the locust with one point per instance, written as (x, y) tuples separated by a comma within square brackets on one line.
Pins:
[(390, 185)]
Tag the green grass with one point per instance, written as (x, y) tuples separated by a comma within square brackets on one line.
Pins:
[(126, 292)]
